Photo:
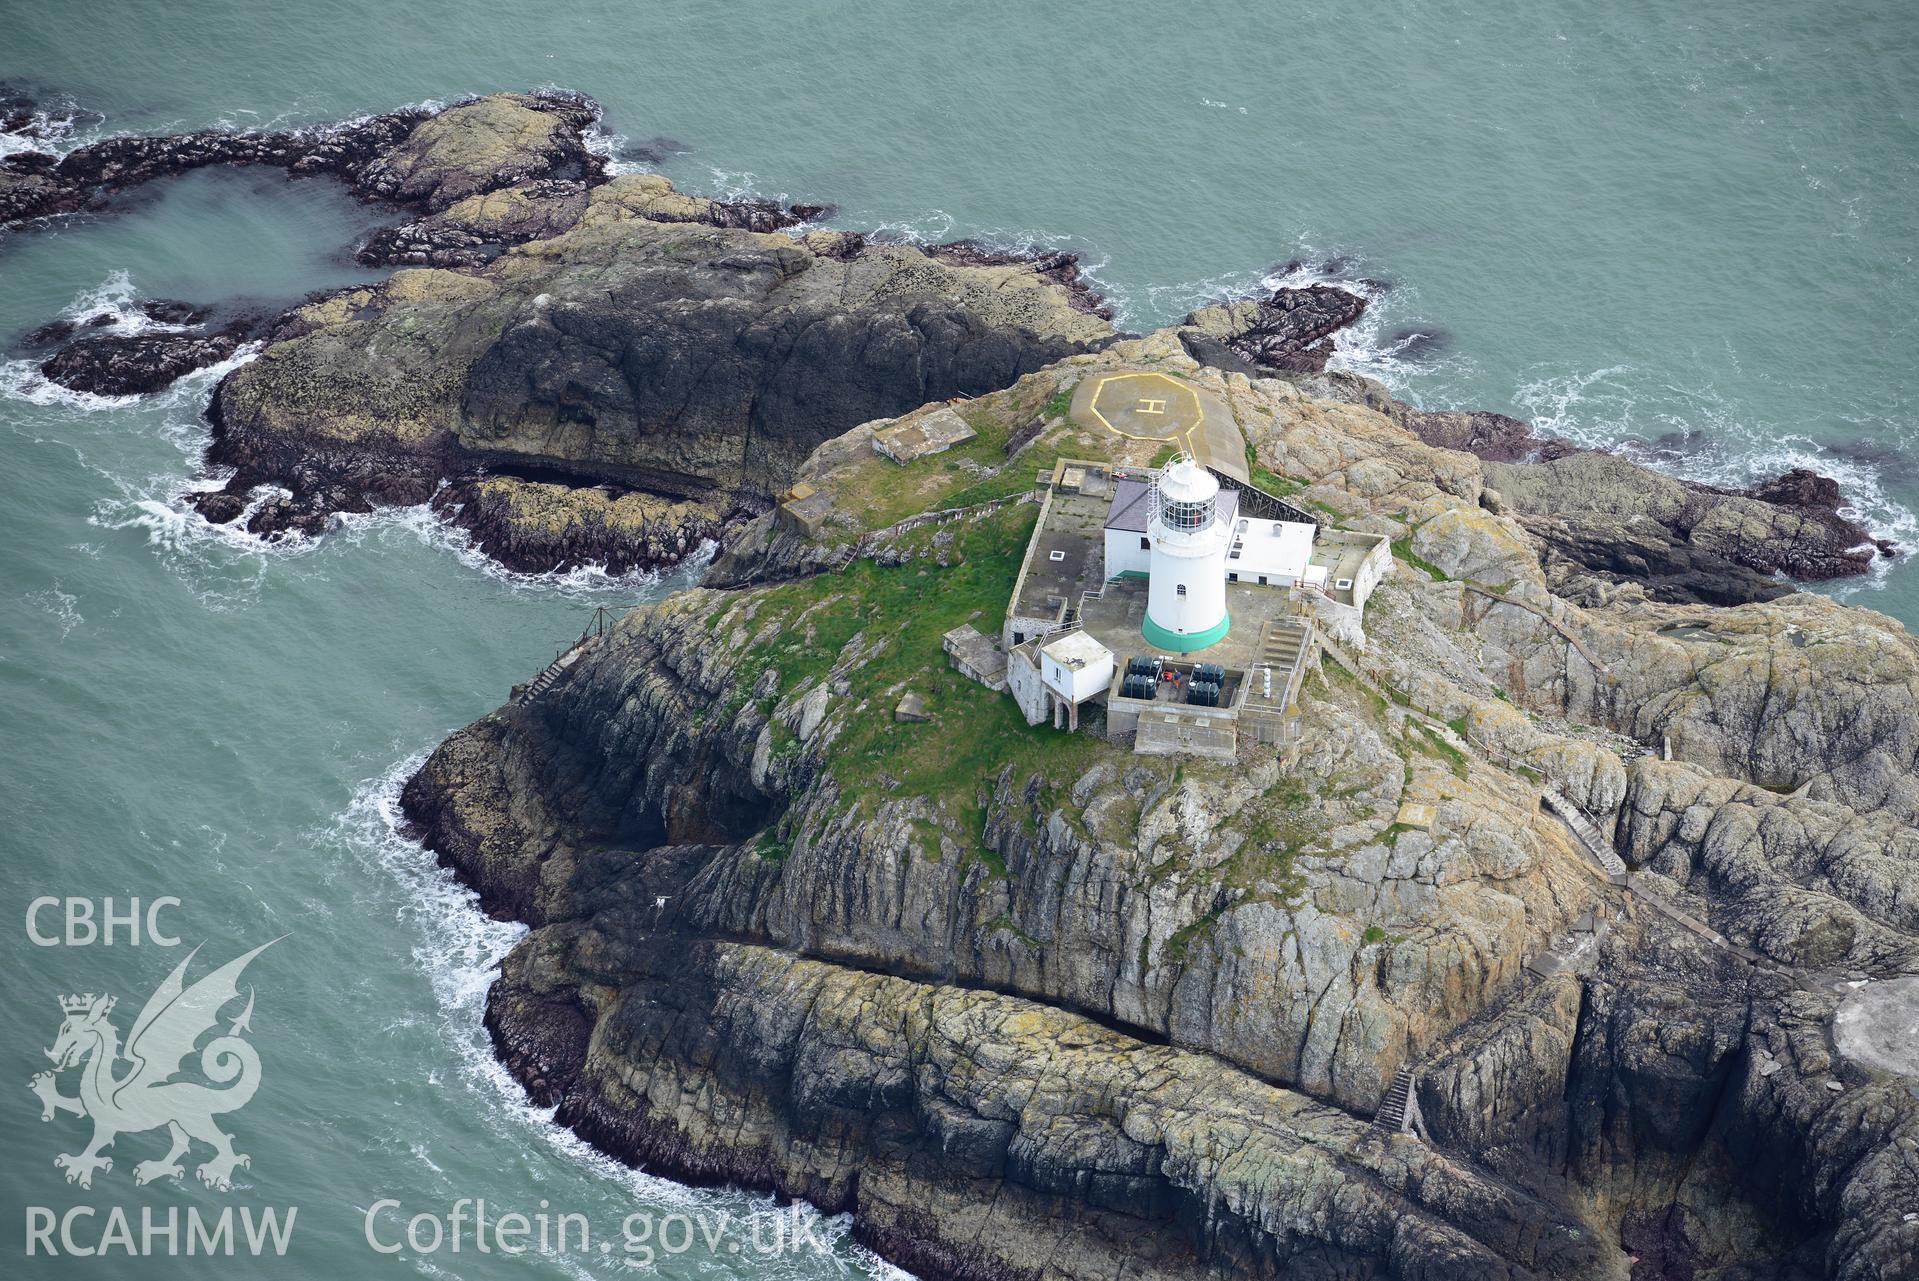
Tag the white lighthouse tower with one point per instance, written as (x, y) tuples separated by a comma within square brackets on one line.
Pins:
[(1186, 585)]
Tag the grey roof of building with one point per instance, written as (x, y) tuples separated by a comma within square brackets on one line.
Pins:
[(1130, 506)]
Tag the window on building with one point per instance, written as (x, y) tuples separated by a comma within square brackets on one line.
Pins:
[(1180, 590), (1232, 578), (1262, 580), (1145, 543)]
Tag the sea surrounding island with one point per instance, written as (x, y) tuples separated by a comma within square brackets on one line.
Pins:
[(646, 641)]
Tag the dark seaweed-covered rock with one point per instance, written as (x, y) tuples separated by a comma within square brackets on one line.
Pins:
[(1494, 437), (1289, 330), (131, 365), (1686, 542), (413, 156), (643, 346), (538, 526)]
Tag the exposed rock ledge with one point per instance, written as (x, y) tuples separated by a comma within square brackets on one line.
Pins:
[(564, 327), (593, 332), (1605, 519), (1028, 1006)]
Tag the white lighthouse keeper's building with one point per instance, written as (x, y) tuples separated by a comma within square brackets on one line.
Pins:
[(1186, 572)]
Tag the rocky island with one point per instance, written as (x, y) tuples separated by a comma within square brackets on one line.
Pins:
[(587, 368), (1573, 934)]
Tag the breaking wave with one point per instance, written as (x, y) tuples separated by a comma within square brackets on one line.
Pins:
[(1694, 434), (53, 128), (459, 949)]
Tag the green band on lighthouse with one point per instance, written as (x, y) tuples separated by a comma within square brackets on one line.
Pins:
[(1183, 642)]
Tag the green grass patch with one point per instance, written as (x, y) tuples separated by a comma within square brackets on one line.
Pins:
[(1403, 549), (1439, 747), (903, 610), (771, 848), (1373, 934), (1183, 938), (1006, 923), (1271, 481), (876, 491)]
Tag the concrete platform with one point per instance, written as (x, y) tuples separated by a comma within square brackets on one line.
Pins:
[(975, 656), (1114, 620), (1146, 406), (932, 432), (1067, 556)]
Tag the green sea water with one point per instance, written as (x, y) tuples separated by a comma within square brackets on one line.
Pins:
[(1689, 227)]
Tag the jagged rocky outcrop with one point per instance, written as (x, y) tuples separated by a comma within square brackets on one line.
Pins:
[(679, 357), (879, 954), (1687, 542), (1289, 330), (412, 157), (477, 229), (141, 350), (535, 526), (926, 1071), (1493, 437), (1602, 517), (516, 361), (135, 364), (575, 331)]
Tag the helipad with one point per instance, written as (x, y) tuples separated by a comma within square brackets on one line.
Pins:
[(1142, 405), (1145, 406)]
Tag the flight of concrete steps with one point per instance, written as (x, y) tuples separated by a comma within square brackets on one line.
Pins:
[(1283, 643), (1588, 833), (554, 670), (1281, 649), (1399, 1109)]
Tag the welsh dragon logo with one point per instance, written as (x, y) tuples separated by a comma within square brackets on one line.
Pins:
[(146, 1096)]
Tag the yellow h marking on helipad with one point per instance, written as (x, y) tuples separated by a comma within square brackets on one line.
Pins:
[(1176, 429)]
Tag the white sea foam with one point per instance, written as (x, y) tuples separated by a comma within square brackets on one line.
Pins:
[(224, 560), (54, 128), (22, 380), (459, 949), (590, 583), (607, 145), (61, 605), (116, 297), (1696, 435)]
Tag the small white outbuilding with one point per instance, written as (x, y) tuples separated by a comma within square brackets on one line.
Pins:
[(1073, 668)]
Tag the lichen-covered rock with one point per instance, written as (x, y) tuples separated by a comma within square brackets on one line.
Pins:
[(535, 527), (694, 360), (1398, 899), (1808, 883), (1685, 543), (478, 146), (477, 229), (413, 157), (975, 1134)]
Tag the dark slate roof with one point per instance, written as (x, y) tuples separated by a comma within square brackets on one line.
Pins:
[(1130, 504)]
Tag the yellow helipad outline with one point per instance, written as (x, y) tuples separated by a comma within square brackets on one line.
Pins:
[(1192, 395)]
